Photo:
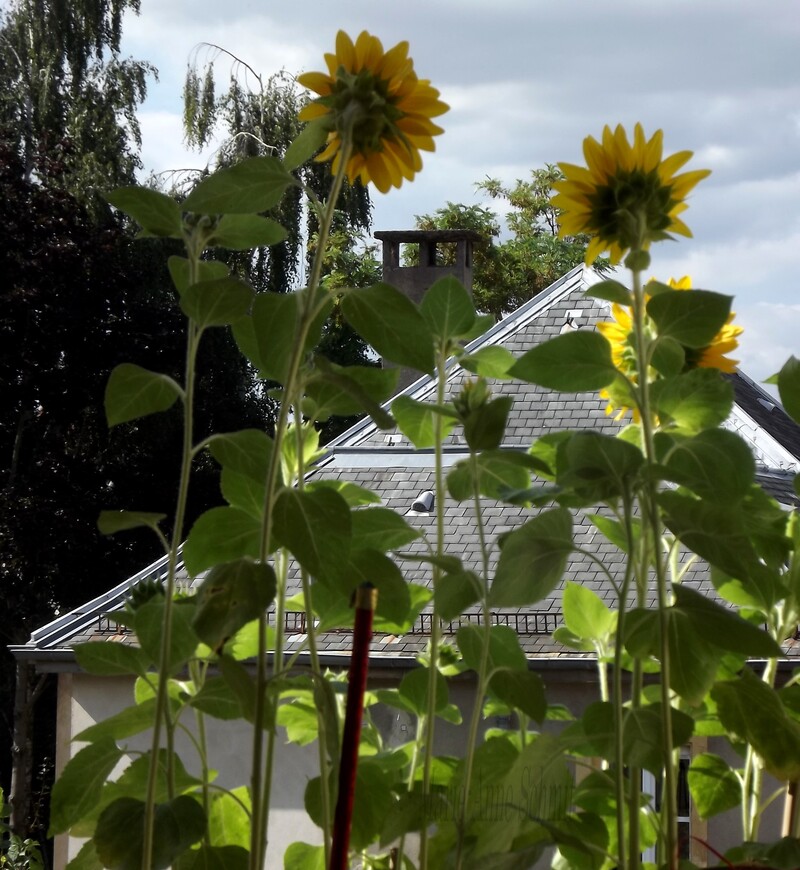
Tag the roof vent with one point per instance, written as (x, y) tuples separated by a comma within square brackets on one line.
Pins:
[(770, 406), (572, 322), (423, 504)]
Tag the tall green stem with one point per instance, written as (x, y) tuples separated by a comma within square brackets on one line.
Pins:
[(651, 537), (162, 712), (201, 742), (480, 692), (618, 698), (261, 779), (434, 648), (322, 742), (281, 565), (754, 773)]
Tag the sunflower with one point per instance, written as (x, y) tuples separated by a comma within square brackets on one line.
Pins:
[(372, 99), (619, 332), (713, 355), (626, 196)]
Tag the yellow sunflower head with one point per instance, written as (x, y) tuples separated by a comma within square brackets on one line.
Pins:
[(626, 196), (373, 100), (619, 332), (617, 398), (713, 355)]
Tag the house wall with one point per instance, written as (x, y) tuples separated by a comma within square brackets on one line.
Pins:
[(84, 700)]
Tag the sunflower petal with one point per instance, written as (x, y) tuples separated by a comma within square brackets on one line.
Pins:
[(345, 51), (317, 82)]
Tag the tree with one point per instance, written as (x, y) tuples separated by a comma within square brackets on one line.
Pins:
[(67, 98), (78, 296), (68, 132), (508, 273)]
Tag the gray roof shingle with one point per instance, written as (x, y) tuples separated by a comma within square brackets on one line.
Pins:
[(397, 473)]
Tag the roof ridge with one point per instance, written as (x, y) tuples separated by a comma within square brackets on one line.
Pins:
[(515, 320)]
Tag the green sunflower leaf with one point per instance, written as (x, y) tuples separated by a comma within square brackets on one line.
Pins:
[(78, 787), (390, 322), (240, 232), (713, 785), (692, 317), (532, 559), (156, 213), (789, 387), (221, 534), (310, 139), (447, 308), (134, 392), (612, 291), (573, 362), (231, 595), (111, 522), (249, 187), (416, 420)]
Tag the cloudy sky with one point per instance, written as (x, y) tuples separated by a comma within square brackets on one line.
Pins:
[(528, 79)]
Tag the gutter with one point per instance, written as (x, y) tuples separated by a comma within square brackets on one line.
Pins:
[(62, 660)]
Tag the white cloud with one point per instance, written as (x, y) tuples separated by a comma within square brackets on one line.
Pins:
[(162, 143), (771, 336)]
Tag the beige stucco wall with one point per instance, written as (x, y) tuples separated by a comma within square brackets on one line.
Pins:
[(84, 700)]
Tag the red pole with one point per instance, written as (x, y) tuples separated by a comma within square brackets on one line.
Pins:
[(366, 598)]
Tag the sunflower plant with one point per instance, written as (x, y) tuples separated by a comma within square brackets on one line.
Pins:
[(664, 492), (676, 483)]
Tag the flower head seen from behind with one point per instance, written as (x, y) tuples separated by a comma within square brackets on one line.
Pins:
[(627, 195), (373, 100)]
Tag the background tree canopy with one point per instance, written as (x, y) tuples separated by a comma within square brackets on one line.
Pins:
[(509, 272), (68, 99)]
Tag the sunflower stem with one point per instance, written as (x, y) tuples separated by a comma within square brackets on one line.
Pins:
[(652, 532), (162, 712), (262, 771), (437, 571), (483, 668)]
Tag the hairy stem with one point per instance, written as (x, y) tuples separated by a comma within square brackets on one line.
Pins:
[(437, 571), (261, 780), (162, 710), (481, 688)]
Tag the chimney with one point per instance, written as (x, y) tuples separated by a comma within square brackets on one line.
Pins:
[(415, 280)]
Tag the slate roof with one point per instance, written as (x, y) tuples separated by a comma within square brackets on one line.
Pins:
[(389, 465)]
